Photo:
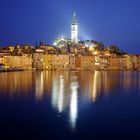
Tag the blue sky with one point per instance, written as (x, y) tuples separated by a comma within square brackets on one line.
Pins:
[(109, 21)]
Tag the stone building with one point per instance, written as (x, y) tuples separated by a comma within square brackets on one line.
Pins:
[(38, 61), (47, 63), (128, 62), (78, 62), (54, 62), (1, 60), (63, 61), (103, 63), (22, 62), (114, 63), (72, 62), (87, 62)]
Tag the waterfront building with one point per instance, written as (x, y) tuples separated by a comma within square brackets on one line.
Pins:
[(20, 62), (87, 62), (135, 61), (122, 64), (26, 61), (47, 62), (54, 62), (63, 61), (78, 62), (114, 63), (4, 53), (103, 63), (1, 60), (38, 60), (128, 62), (72, 62)]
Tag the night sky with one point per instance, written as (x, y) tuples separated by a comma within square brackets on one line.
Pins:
[(109, 21)]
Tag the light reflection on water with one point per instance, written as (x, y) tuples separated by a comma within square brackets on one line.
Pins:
[(39, 88), (73, 103), (64, 87)]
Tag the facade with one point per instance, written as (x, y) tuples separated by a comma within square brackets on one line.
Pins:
[(38, 61), (26, 61), (42, 61), (63, 61), (103, 63), (1, 60), (135, 62), (115, 63), (87, 62), (47, 63), (128, 62), (20, 62), (54, 62), (132, 62), (78, 62), (72, 62)]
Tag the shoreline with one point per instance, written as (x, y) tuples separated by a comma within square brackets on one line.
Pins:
[(18, 70)]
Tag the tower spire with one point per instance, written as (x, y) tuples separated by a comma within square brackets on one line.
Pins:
[(74, 19), (74, 29)]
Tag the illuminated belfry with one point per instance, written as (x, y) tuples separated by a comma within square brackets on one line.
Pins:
[(74, 29)]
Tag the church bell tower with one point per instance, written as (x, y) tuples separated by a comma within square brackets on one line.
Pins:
[(74, 29)]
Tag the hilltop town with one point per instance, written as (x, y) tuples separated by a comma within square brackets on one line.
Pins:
[(67, 54), (46, 57)]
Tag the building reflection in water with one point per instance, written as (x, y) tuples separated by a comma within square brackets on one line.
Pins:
[(96, 85), (61, 94), (62, 86), (16, 84), (54, 93), (58, 92), (39, 87), (73, 103)]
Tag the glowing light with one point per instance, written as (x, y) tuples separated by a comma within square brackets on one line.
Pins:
[(97, 64), (39, 86), (39, 50), (95, 86), (91, 49), (54, 93), (73, 104), (61, 94), (54, 44), (58, 94), (95, 52)]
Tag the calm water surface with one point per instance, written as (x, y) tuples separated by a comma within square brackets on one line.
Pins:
[(70, 105)]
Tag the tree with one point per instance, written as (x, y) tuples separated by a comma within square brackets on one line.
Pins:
[(114, 49), (99, 46)]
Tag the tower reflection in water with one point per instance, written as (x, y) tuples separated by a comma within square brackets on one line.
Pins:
[(64, 94), (73, 103)]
